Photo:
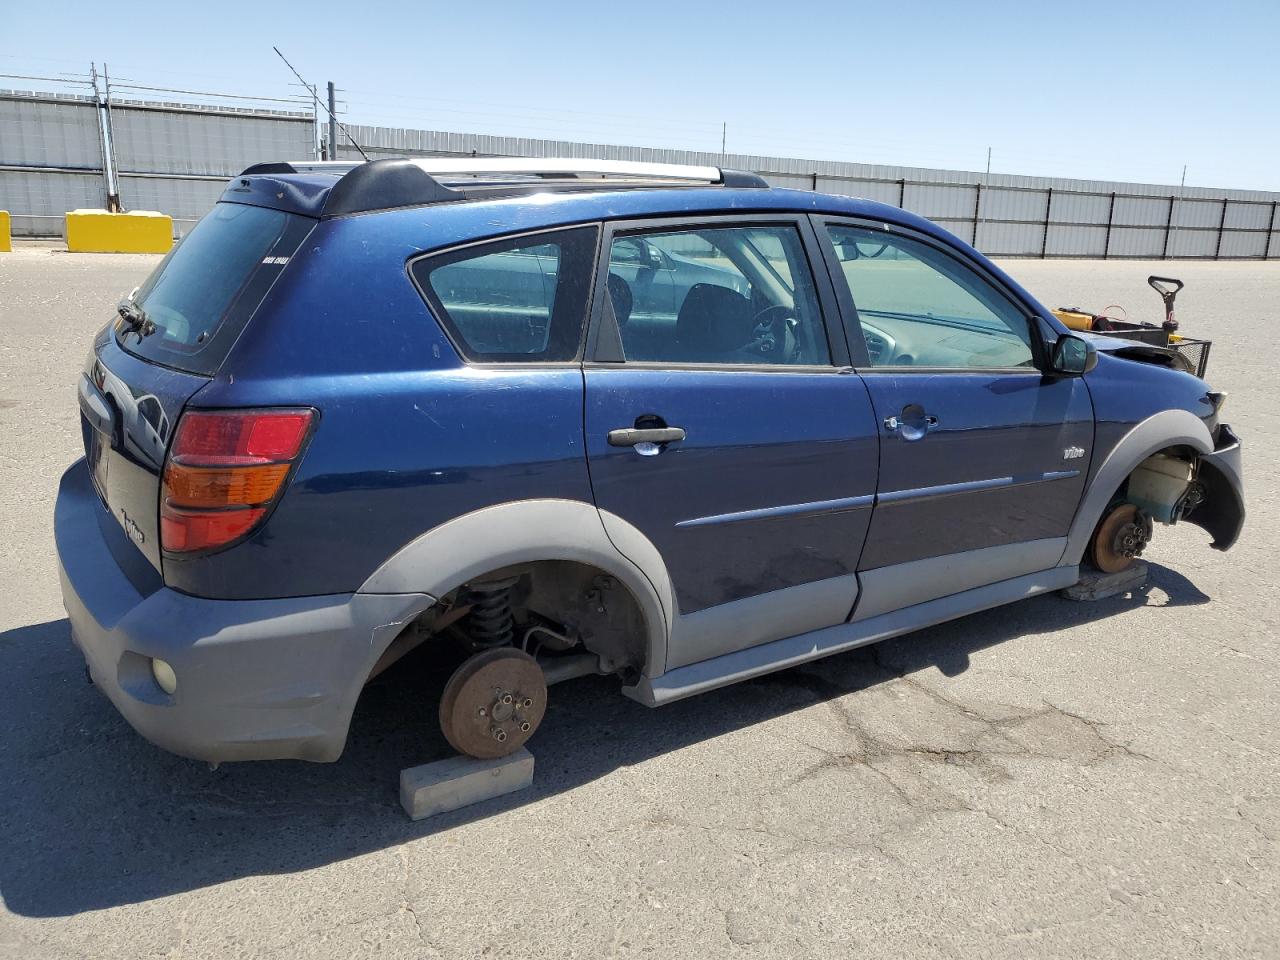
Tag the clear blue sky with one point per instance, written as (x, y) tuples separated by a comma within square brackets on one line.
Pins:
[(1123, 91)]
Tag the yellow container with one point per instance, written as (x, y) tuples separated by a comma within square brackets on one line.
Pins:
[(1074, 319), (138, 231), (6, 238)]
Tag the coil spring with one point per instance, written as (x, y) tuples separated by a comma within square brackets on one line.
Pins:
[(491, 622)]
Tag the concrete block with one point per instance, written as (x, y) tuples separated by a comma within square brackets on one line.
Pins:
[(6, 234), (1096, 585), (461, 781), (138, 231)]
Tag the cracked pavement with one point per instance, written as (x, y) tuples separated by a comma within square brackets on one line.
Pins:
[(1049, 779)]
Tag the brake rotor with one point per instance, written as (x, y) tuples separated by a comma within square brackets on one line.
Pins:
[(1120, 539), (493, 703)]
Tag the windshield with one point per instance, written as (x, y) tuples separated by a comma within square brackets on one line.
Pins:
[(201, 295)]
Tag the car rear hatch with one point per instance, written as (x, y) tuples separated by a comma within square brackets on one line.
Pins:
[(171, 338)]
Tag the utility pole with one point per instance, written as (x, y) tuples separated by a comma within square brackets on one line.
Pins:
[(103, 110), (333, 124), (988, 163), (724, 132)]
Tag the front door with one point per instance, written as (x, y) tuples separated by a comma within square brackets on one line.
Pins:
[(983, 458), (730, 431)]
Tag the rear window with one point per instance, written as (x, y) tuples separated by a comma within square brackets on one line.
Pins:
[(523, 299), (202, 294)]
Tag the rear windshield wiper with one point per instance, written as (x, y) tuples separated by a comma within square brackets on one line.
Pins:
[(135, 319)]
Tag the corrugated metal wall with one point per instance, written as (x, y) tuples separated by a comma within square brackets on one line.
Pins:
[(175, 158), (1003, 215)]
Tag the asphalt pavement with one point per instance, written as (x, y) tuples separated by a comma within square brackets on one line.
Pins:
[(1048, 779)]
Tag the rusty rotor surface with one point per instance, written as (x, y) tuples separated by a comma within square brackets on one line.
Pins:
[(1120, 539), (493, 703)]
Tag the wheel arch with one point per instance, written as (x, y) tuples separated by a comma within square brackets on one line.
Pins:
[(1162, 431), (529, 531)]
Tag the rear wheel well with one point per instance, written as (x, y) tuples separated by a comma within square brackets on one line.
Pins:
[(554, 606)]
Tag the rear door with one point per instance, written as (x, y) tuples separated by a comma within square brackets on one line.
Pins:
[(730, 430), (983, 458), (185, 317)]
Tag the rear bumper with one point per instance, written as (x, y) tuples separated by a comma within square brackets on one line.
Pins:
[(257, 679)]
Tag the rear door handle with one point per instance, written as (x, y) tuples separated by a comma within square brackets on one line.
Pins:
[(630, 436), (893, 423)]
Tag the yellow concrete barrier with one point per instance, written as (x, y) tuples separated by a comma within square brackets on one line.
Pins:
[(138, 231), (6, 239)]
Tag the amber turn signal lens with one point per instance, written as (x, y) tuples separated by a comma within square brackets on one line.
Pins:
[(223, 486)]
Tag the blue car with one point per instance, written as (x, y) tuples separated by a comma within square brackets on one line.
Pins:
[(569, 417)]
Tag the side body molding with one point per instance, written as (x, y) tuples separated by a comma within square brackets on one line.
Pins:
[(526, 531), (1168, 428)]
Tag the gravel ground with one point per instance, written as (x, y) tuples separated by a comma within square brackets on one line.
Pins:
[(1049, 779)]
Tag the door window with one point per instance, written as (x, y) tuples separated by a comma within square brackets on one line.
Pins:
[(514, 300), (716, 295), (919, 307)]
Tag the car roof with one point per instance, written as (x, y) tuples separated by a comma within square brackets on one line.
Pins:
[(477, 198)]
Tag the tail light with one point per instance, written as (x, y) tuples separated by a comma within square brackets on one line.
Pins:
[(225, 471)]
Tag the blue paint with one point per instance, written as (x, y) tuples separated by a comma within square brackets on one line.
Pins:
[(787, 510), (773, 487)]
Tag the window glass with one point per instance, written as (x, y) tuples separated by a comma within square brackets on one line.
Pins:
[(919, 307), (514, 300), (202, 293), (722, 295)]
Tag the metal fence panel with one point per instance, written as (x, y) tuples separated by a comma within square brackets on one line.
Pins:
[(1247, 216), (175, 157), (1236, 244), (1137, 242), (1141, 211), (1197, 213), (940, 201), (52, 132), (1081, 207), (1193, 243), (38, 204), (1001, 203), (1076, 241), (1010, 239), (152, 140)]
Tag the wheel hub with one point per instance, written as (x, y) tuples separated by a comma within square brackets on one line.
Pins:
[(1120, 539), (493, 703)]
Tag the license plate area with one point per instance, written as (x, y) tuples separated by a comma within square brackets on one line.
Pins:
[(96, 447)]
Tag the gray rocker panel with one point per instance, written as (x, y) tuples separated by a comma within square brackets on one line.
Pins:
[(886, 589), (767, 616), (780, 654)]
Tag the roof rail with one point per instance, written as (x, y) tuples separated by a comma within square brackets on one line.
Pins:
[(566, 168), (398, 182)]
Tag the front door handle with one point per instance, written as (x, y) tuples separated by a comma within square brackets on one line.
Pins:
[(631, 436)]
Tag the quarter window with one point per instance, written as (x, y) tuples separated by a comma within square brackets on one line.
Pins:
[(919, 307), (716, 295), (517, 300)]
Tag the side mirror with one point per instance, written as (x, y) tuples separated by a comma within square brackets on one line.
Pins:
[(1073, 356)]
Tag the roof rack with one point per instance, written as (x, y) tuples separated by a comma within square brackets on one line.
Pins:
[(399, 182)]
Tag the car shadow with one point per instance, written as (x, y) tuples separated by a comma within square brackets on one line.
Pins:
[(96, 817)]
